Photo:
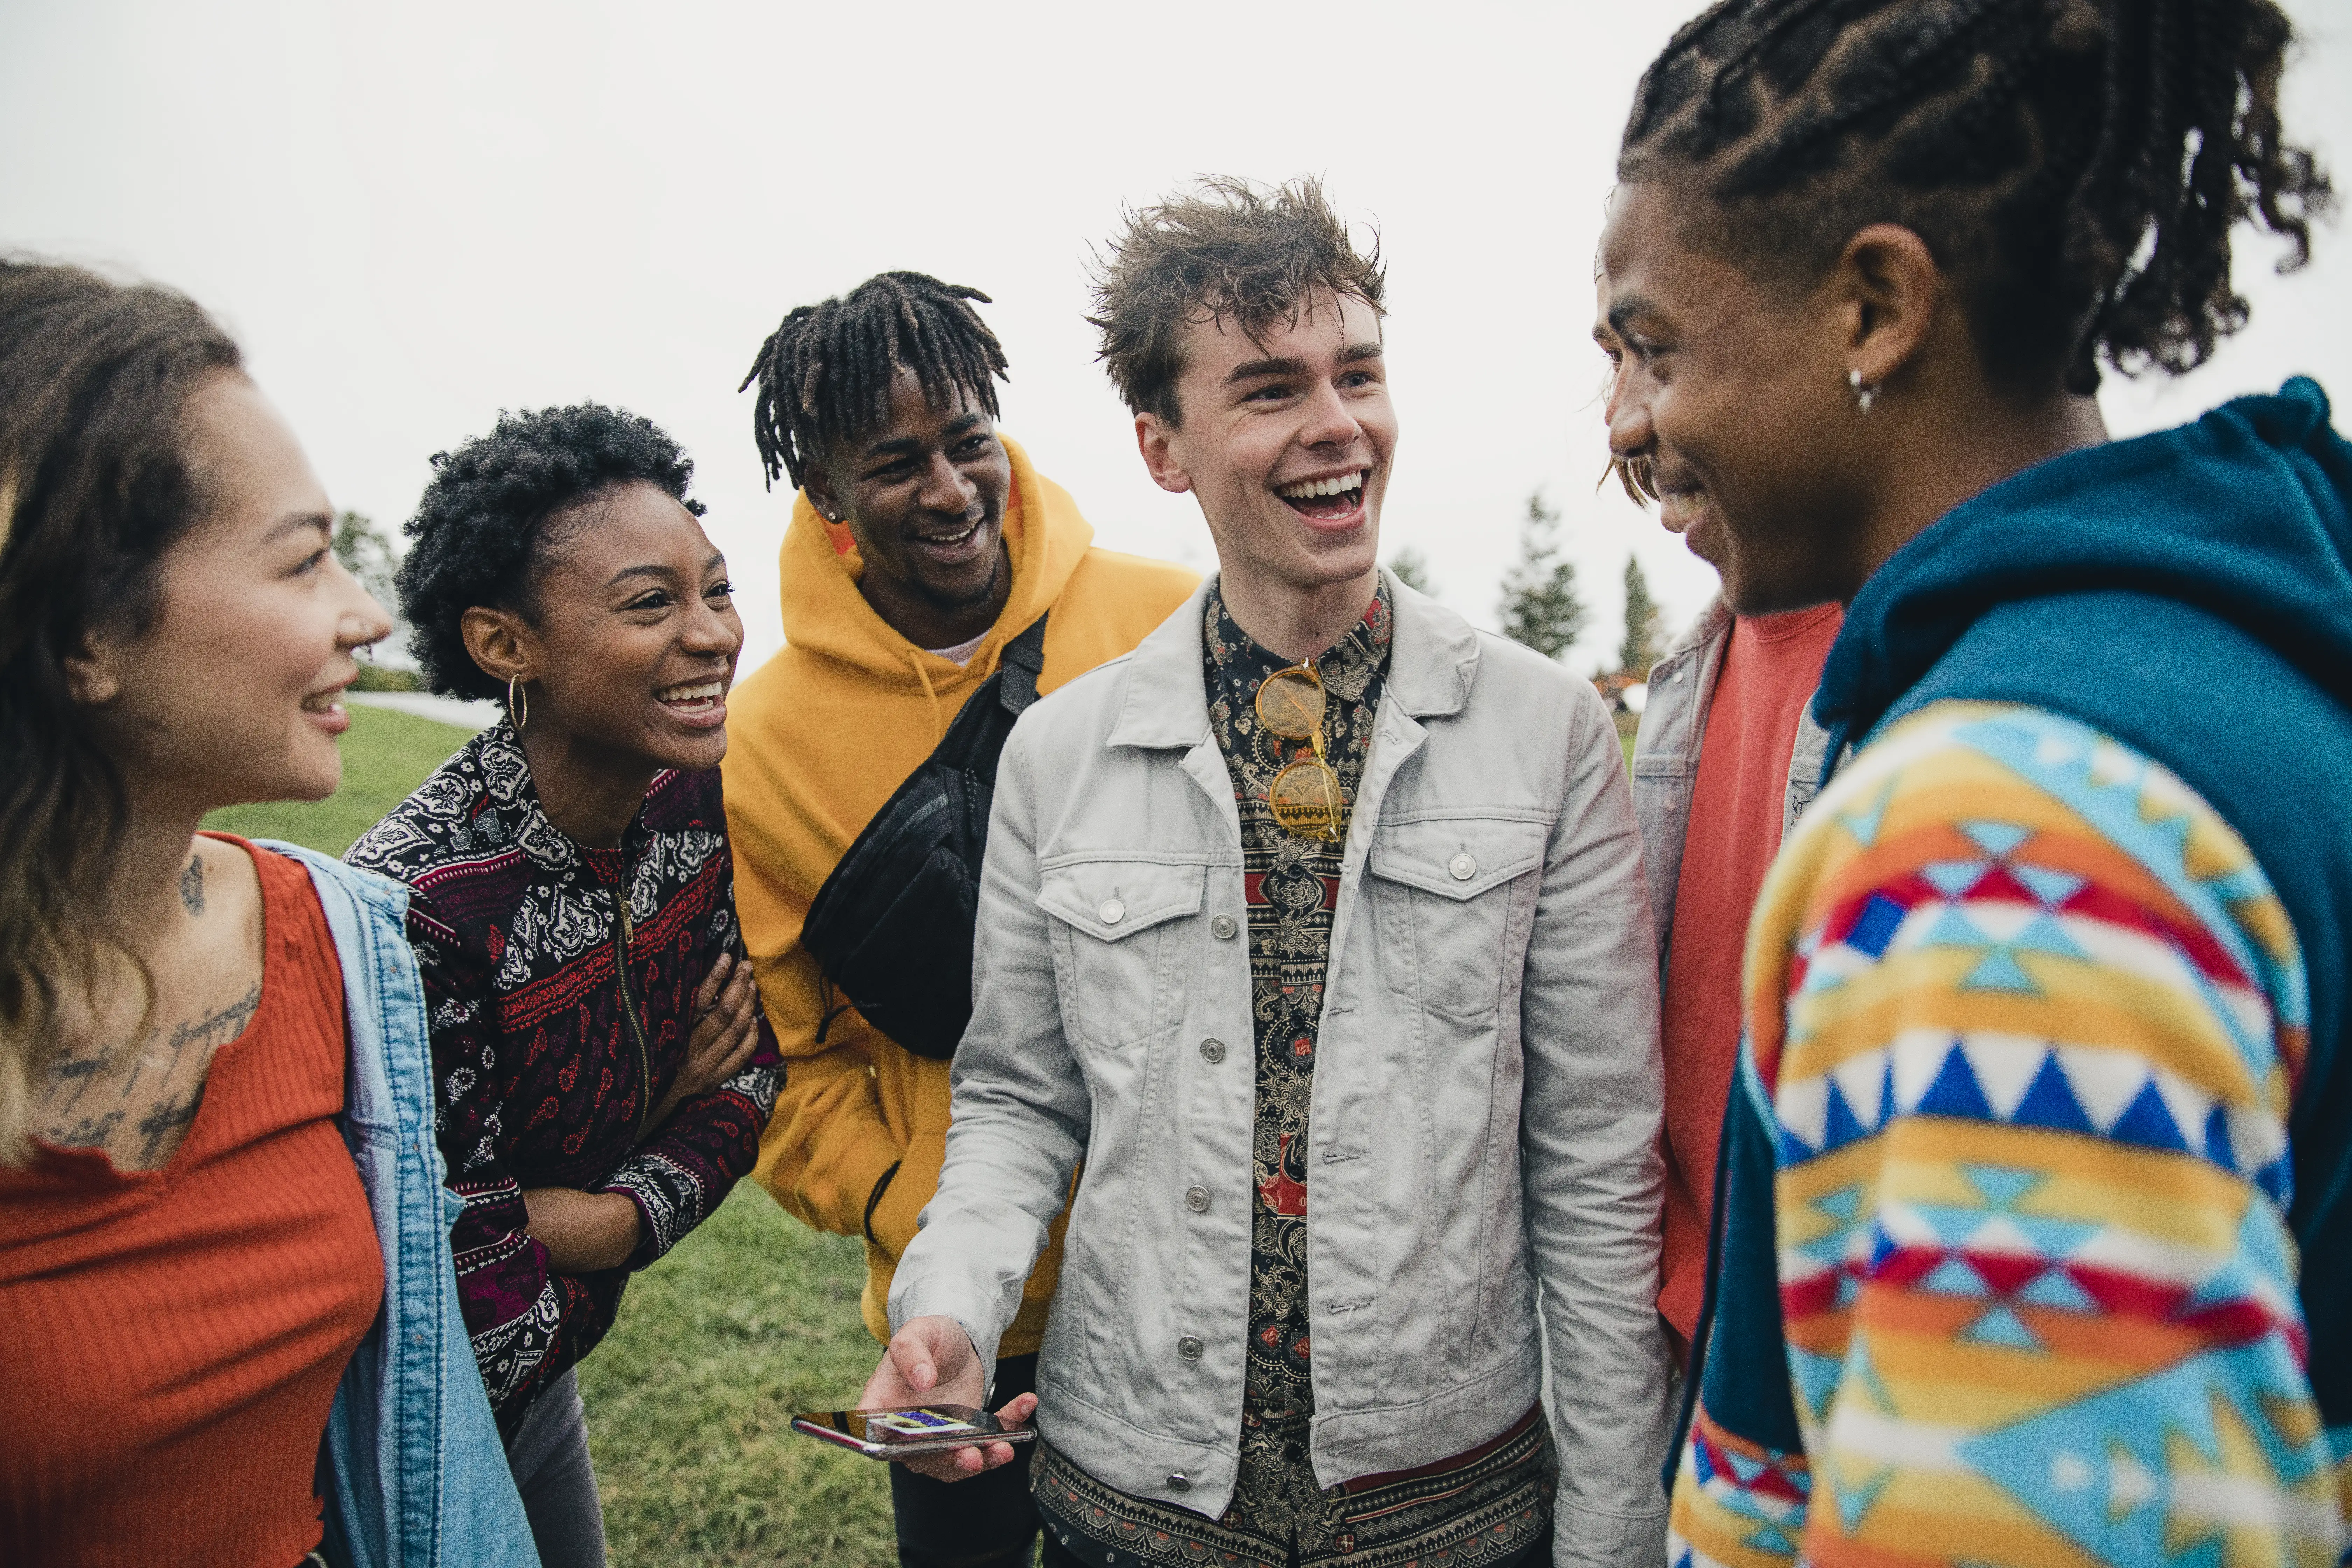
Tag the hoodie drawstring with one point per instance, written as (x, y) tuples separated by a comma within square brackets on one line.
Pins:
[(938, 720)]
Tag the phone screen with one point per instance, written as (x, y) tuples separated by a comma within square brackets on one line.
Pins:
[(922, 1427)]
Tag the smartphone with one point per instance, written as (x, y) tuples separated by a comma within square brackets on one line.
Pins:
[(918, 1429)]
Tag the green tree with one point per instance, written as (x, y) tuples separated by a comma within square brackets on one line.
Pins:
[(1411, 568), (367, 553), (1540, 604), (1643, 633)]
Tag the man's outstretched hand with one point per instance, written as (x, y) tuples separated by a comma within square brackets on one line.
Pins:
[(931, 1362)]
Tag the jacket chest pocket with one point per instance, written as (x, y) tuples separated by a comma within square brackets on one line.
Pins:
[(1122, 945), (1447, 891)]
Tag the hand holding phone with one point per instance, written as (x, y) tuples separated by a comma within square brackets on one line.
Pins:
[(931, 1363)]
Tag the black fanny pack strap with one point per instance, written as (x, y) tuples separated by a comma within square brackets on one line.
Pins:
[(1023, 661)]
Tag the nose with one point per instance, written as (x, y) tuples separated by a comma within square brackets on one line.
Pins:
[(710, 631), (946, 489), (1329, 422), (1630, 432), (363, 620)]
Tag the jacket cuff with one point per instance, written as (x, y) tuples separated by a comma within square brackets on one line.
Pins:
[(669, 1203), (1587, 1538), (937, 1296)]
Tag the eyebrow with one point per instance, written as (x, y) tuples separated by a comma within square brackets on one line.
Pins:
[(1623, 311), (300, 519), (660, 572), (1285, 364), (908, 446)]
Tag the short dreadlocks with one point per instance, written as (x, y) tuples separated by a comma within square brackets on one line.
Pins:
[(2076, 166), (824, 373)]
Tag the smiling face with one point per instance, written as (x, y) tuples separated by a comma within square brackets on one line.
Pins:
[(233, 694), (1685, 512), (1286, 444), (1735, 395), (924, 497), (632, 648)]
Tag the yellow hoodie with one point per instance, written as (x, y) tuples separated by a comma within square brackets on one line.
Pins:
[(817, 739)]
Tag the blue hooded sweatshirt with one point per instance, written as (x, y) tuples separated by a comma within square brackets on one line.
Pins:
[(2190, 593)]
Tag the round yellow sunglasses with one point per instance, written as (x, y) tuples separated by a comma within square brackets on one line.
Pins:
[(1306, 797)]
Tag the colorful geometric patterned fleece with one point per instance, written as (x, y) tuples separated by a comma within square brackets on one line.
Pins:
[(2025, 1022)]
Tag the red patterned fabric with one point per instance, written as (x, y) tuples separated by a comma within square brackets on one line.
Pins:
[(545, 1073)]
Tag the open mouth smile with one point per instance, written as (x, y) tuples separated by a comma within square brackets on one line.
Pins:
[(326, 710), (1328, 499), (1678, 509), (697, 699), (953, 549)]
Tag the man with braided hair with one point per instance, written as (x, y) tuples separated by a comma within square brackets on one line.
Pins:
[(921, 542), (2034, 1236)]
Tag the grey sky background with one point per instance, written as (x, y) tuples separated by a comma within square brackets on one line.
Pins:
[(417, 215)]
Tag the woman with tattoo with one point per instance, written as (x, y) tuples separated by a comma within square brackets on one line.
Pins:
[(603, 1067), (221, 1245)]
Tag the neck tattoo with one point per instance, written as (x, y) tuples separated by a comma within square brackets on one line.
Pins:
[(192, 885)]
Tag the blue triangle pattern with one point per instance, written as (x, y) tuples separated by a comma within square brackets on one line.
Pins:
[(2217, 1147), (2056, 1287), (2054, 1238), (1996, 838), (1876, 926), (1954, 929), (1841, 1126), (1955, 1092), (1864, 823), (1842, 1204), (1856, 1502), (2000, 1326), (1817, 1378), (1744, 1468), (1953, 878), (2147, 1121), (1954, 1278), (2000, 1185), (2000, 971), (2045, 934), (2052, 888), (1771, 1538), (2049, 1101), (1848, 1288)]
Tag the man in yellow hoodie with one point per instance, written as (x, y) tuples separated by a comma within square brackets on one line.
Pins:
[(921, 542)]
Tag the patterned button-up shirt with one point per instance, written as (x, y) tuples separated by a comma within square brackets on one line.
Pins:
[(558, 1025), (1500, 1493)]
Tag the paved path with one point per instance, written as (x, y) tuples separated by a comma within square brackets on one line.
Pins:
[(426, 705)]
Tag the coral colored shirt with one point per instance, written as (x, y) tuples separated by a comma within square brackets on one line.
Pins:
[(170, 1340), (1769, 673)]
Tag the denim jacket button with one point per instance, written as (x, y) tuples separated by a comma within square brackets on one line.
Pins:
[(1197, 1199), (1180, 1483), (1112, 911), (1213, 1051), (1223, 927), (1189, 1348), (1463, 868)]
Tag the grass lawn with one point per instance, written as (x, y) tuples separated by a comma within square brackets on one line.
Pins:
[(690, 1401), (385, 755)]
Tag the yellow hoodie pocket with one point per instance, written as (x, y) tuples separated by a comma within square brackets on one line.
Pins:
[(1123, 933)]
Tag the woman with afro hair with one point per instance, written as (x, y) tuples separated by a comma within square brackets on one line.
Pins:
[(603, 1070)]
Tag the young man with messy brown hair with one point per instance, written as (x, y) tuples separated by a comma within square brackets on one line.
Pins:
[(1316, 927)]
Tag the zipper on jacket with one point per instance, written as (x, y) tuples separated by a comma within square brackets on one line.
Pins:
[(633, 1022)]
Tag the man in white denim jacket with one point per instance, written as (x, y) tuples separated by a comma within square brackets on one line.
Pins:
[(1484, 1113)]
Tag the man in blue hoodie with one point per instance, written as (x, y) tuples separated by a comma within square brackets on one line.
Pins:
[(2033, 1239)]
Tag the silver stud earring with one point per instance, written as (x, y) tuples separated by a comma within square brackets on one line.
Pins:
[(1864, 396)]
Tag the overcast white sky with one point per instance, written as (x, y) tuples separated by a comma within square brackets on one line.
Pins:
[(415, 215)]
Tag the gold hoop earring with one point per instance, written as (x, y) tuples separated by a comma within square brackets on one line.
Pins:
[(1864, 396), (517, 712)]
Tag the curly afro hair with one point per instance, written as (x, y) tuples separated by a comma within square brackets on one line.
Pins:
[(498, 509)]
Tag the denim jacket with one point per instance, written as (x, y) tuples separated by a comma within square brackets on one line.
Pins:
[(1666, 752), (412, 1467)]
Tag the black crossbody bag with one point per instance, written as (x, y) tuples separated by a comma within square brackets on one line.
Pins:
[(892, 928)]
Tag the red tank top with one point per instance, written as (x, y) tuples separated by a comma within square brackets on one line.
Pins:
[(170, 1340)]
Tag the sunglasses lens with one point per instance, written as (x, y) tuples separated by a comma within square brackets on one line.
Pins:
[(1290, 704), (1306, 799)]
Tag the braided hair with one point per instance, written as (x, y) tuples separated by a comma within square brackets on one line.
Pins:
[(824, 373), (2074, 166)]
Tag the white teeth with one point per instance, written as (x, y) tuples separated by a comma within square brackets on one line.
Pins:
[(707, 689), (1307, 489), (952, 538), (322, 702), (1683, 505)]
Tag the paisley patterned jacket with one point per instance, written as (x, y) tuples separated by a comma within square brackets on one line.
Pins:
[(560, 982)]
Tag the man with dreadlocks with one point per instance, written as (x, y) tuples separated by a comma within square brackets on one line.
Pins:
[(921, 542), (2034, 1241)]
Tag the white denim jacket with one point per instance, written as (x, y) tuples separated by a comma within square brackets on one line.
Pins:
[(1486, 1096)]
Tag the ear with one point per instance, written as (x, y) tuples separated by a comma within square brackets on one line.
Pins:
[(501, 642), (92, 678), (1155, 440), (818, 484), (1891, 290)]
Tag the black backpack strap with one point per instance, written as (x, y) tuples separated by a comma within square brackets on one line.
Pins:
[(1023, 661)]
